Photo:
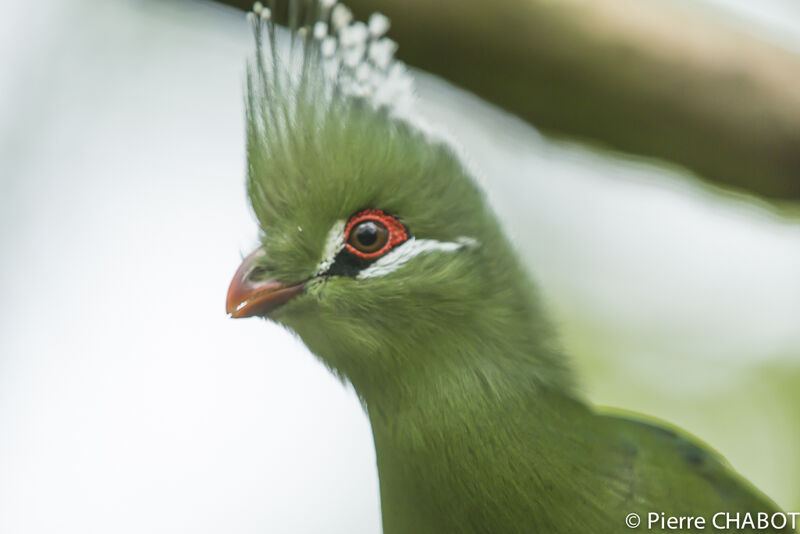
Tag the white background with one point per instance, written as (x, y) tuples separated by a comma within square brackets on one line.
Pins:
[(129, 403)]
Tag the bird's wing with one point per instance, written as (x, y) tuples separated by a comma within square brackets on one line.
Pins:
[(659, 469)]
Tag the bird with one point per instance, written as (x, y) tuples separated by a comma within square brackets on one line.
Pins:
[(379, 250)]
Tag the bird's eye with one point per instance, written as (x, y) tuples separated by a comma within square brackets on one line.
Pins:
[(372, 233), (368, 236)]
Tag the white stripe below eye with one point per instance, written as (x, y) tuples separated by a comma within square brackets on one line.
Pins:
[(333, 245), (412, 248)]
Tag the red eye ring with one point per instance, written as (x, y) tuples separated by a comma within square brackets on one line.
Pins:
[(397, 232)]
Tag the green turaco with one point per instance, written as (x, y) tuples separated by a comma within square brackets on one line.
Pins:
[(380, 252)]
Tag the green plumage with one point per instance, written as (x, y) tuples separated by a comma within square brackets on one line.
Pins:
[(477, 424)]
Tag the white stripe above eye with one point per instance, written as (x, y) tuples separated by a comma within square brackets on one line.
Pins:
[(412, 248)]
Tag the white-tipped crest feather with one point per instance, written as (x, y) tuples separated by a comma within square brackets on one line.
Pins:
[(333, 61)]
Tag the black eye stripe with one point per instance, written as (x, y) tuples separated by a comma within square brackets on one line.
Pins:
[(347, 264)]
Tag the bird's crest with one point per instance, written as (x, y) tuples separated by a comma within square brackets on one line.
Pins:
[(319, 103), (332, 63)]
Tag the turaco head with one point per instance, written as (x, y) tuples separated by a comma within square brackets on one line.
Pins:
[(377, 247)]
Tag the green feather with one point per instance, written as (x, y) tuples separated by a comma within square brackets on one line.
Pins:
[(477, 424)]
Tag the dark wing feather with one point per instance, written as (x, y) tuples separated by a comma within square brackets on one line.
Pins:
[(663, 470)]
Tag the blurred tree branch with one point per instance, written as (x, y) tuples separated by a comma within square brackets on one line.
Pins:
[(640, 76)]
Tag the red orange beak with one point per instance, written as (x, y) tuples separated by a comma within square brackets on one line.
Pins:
[(247, 297)]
